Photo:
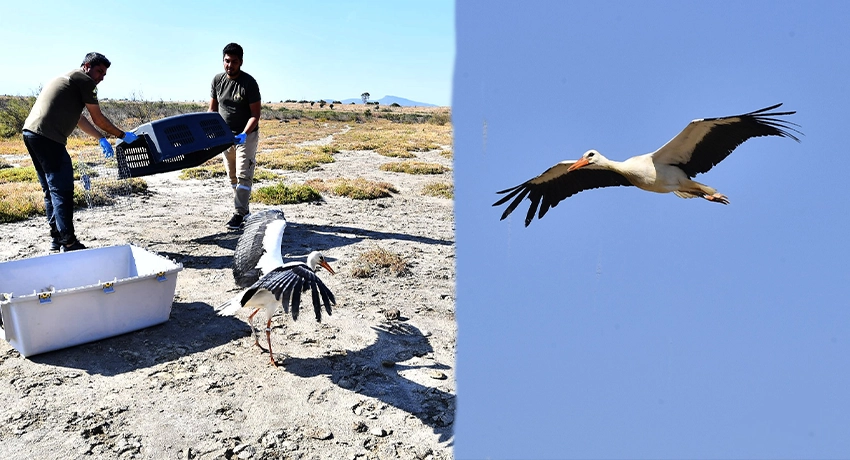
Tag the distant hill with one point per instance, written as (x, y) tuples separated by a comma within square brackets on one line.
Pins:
[(388, 100)]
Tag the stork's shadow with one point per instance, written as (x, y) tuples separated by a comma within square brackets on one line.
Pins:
[(366, 372)]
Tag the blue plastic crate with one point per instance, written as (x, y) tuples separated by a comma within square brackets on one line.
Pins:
[(173, 143)]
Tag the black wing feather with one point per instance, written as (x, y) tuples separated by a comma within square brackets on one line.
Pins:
[(546, 195), (296, 298), (722, 139), (287, 283)]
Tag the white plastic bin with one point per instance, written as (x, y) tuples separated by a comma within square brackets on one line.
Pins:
[(61, 300)]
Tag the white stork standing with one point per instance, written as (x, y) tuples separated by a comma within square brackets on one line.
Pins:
[(276, 284), (700, 146)]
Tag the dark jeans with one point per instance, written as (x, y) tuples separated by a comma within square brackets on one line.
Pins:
[(56, 174)]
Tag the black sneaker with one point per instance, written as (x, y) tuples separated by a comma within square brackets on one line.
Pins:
[(75, 246), (235, 222), (56, 244)]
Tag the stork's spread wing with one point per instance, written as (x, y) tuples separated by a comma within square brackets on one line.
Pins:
[(249, 248), (288, 282), (706, 142), (555, 184)]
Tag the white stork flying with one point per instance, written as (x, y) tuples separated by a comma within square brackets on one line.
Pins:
[(700, 146), (276, 284)]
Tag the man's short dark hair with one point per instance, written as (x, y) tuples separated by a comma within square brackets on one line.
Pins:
[(232, 49), (95, 59)]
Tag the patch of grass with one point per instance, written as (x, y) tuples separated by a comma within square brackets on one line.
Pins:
[(23, 174), (275, 134), (297, 158), (23, 200), (448, 153), (261, 174), (356, 189), (212, 171), (414, 167), (13, 145), (103, 194), (204, 171), (395, 153), (379, 261), (394, 139), (20, 201), (4, 164), (28, 174), (439, 189), (285, 194)]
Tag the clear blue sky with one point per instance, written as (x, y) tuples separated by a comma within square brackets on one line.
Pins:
[(627, 324), (163, 49)]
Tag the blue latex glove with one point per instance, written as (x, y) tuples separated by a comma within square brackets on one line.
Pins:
[(129, 137), (240, 138), (107, 148)]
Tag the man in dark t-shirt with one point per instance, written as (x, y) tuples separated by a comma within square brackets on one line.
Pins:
[(58, 109), (236, 96)]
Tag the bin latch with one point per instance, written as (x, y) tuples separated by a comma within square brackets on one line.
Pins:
[(44, 297), (160, 276), (108, 287)]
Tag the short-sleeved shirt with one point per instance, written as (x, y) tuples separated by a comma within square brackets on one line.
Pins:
[(234, 98), (58, 107)]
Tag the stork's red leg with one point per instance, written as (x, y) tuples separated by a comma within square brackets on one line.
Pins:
[(269, 338), (253, 331)]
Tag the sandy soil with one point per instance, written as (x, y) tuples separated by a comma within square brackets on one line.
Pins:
[(196, 387)]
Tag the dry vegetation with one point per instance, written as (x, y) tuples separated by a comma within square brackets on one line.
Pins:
[(379, 261), (439, 189), (215, 168), (395, 139), (414, 167), (20, 199), (357, 189), (296, 158)]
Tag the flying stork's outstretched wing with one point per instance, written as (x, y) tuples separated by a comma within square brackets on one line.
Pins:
[(706, 142), (556, 184)]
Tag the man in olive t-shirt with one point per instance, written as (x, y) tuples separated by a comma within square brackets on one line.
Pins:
[(58, 109), (236, 96)]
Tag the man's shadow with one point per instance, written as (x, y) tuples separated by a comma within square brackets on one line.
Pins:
[(372, 372)]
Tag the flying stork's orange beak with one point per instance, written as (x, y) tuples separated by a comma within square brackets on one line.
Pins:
[(327, 267), (578, 164)]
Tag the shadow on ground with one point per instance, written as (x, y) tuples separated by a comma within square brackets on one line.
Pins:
[(299, 239), (192, 328), (365, 372)]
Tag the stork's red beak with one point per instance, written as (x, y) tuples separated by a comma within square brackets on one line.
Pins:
[(327, 267), (578, 164)]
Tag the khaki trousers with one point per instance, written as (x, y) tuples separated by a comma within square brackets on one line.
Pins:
[(240, 161)]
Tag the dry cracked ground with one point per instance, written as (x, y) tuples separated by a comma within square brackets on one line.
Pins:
[(356, 386)]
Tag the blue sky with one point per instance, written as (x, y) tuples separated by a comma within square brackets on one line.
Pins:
[(162, 49), (628, 324)]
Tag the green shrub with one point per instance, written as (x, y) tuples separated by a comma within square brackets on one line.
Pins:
[(13, 112), (285, 194)]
